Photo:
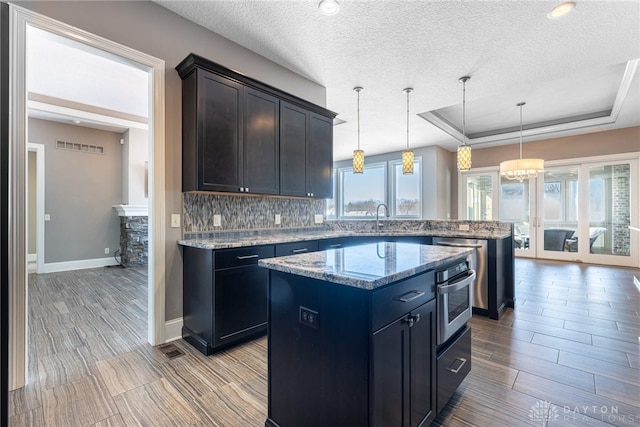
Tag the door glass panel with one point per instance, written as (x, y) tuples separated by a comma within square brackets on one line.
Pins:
[(560, 209), (610, 210), (515, 207), (479, 197)]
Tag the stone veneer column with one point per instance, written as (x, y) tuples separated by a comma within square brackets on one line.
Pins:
[(134, 235), (621, 209)]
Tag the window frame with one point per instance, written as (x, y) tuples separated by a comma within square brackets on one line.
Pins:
[(340, 188)]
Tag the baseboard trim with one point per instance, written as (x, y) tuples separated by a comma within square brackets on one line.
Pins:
[(173, 329), (54, 267)]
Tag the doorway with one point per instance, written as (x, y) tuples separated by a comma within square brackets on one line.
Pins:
[(21, 20)]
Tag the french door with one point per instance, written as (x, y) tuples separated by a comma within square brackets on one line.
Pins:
[(586, 210), (578, 211)]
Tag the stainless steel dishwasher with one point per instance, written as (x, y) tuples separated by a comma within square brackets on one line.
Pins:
[(477, 262)]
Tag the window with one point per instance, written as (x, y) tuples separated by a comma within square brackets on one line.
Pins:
[(361, 193), (330, 204), (358, 195), (406, 191)]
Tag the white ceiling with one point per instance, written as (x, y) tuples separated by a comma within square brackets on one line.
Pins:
[(562, 68)]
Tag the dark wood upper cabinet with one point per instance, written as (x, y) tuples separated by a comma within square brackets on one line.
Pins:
[(240, 135), (306, 153), (260, 149)]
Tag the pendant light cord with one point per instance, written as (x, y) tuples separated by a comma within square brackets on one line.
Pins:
[(520, 105), (464, 113), (408, 92), (358, 92)]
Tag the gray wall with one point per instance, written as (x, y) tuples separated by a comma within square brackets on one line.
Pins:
[(439, 178), (154, 30), (80, 191)]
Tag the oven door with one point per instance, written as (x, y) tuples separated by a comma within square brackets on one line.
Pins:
[(454, 305)]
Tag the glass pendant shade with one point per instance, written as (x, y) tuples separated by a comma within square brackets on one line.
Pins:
[(358, 161), (521, 169), (407, 162), (464, 158)]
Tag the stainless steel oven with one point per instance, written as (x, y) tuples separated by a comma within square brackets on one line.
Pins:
[(454, 299)]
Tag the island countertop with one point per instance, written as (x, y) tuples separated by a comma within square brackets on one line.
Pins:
[(367, 266)]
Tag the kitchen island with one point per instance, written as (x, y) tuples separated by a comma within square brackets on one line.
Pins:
[(352, 335)]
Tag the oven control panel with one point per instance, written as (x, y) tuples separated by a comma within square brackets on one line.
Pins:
[(457, 269)]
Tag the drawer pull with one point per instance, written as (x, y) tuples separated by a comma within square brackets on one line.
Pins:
[(337, 245), (247, 256), (461, 362), (409, 296), (297, 251)]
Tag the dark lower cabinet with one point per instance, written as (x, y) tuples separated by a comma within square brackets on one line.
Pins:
[(362, 360), (224, 296), (403, 369)]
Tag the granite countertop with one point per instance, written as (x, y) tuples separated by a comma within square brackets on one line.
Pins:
[(367, 266), (256, 239)]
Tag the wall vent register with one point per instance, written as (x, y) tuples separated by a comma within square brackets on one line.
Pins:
[(74, 146)]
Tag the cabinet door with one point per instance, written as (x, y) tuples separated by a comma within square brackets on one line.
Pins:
[(391, 375), (423, 363), (404, 362), (240, 303), (260, 143), (320, 157), (219, 114), (293, 150)]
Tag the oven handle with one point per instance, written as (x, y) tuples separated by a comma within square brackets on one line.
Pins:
[(458, 285), (459, 245)]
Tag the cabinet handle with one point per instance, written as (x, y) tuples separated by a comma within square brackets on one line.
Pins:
[(247, 256), (410, 320), (297, 251), (246, 190), (337, 245), (455, 370), (311, 194), (242, 189), (409, 296)]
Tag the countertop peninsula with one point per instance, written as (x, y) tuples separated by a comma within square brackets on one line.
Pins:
[(367, 266), (270, 237)]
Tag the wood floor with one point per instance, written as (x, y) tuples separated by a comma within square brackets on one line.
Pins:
[(569, 354)]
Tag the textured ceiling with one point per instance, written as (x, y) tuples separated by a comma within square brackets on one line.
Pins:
[(510, 48)]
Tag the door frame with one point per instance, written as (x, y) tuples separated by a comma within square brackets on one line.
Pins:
[(19, 19)]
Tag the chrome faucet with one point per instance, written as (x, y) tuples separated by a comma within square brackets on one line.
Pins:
[(386, 209)]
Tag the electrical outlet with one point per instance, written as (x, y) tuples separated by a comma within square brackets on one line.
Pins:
[(47, 217), (309, 317), (106, 250), (278, 220), (175, 220), (318, 219), (217, 220), (463, 227)]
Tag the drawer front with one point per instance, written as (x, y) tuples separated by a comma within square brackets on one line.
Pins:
[(227, 258), (453, 365), (400, 298), (295, 248)]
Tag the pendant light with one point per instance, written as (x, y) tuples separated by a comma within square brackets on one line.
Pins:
[(521, 169), (464, 150), (358, 155), (407, 155)]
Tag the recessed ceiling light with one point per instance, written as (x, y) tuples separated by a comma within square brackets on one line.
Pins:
[(561, 10), (329, 7)]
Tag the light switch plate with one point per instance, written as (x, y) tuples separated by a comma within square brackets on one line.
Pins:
[(175, 220), (318, 219), (463, 227), (217, 220), (278, 220)]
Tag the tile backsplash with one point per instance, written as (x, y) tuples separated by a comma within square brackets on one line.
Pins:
[(246, 212)]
